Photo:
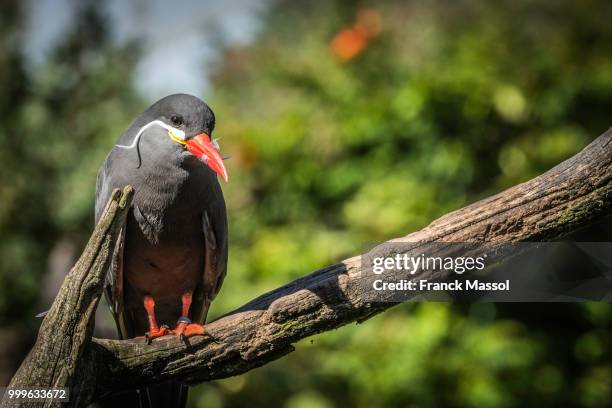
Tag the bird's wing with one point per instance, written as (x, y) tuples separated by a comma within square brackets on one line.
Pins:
[(113, 287), (214, 226)]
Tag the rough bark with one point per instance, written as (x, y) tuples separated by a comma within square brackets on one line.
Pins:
[(61, 355), (565, 198)]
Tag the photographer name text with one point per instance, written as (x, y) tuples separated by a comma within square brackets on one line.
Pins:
[(425, 285)]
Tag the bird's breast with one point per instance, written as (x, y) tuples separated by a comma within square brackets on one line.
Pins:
[(170, 199), (166, 268), (164, 243)]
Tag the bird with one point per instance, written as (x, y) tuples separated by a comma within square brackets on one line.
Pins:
[(171, 256)]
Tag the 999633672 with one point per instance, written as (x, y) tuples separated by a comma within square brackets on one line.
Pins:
[(10, 394)]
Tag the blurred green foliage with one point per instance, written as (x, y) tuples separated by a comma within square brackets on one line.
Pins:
[(450, 102), (446, 103), (56, 126)]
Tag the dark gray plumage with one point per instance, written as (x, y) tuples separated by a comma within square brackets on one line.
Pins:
[(175, 240)]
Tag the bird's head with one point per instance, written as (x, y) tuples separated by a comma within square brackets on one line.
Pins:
[(188, 122)]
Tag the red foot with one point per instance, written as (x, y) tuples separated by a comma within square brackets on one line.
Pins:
[(184, 327), (157, 332), (188, 330), (154, 330)]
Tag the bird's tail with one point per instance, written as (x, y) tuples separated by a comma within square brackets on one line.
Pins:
[(169, 394)]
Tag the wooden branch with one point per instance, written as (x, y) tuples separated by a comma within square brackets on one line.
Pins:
[(560, 201), (565, 198), (61, 355)]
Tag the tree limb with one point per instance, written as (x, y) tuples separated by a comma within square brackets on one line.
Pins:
[(567, 197), (60, 356), (563, 199)]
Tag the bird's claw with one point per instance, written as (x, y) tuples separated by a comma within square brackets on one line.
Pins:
[(155, 333), (194, 329), (185, 330)]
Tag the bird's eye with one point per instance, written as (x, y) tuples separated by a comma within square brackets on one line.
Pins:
[(177, 120)]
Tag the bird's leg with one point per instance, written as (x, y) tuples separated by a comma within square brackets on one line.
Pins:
[(184, 327), (154, 329)]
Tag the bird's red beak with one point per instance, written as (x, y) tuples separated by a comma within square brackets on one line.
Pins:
[(202, 147)]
